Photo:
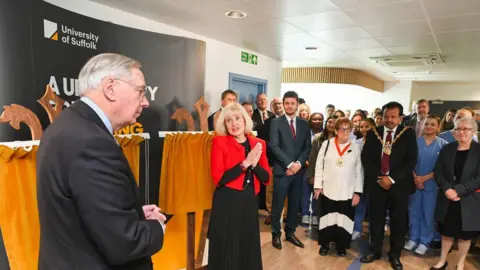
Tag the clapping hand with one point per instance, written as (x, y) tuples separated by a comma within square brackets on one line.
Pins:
[(153, 212), (254, 156)]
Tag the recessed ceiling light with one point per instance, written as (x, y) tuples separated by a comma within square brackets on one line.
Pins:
[(311, 48), (236, 14)]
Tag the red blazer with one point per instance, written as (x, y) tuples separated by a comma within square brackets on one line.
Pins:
[(227, 153)]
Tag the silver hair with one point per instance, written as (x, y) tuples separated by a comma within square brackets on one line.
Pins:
[(103, 65), (467, 120)]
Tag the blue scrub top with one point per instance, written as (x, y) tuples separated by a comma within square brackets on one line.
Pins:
[(427, 156)]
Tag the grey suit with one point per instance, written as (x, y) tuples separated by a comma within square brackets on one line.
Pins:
[(466, 189), (288, 149)]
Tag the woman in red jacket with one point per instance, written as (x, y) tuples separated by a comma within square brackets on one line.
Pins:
[(238, 166)]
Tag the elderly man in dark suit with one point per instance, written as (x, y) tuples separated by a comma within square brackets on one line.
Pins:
[(88, 206), (261, 114), (389, 157), (290, 140)]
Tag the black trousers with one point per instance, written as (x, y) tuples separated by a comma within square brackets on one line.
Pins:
[(284, 186), (396, 201)]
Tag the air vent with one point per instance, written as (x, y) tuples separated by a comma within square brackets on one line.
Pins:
[(405, 61)]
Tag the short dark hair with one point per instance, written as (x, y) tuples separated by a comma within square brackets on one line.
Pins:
[(228, 92), (359, 114), (331, 106), (431, 116), (301, 101), (247, 103), (422, 101), (393, 105), (340, 111), (290, 94)]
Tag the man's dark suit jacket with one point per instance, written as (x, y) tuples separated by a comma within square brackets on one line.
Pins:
[(402, 159), (264, 134), (211, 124), (257, 118), (285, 147), (90, 216)]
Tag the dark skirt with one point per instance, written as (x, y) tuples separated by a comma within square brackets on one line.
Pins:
[(233, 233), (336, 222), (452, 226)]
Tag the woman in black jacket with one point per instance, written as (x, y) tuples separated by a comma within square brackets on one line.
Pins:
[(457, 173)]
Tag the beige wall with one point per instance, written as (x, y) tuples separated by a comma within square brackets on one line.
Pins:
[(455, 91)]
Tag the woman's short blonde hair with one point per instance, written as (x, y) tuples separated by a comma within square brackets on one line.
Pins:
[(229, 110), (304, 106)]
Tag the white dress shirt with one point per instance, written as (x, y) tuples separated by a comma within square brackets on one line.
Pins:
[(385, 133), (295, 128)]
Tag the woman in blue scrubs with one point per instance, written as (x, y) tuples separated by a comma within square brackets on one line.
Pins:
[(421, 206)]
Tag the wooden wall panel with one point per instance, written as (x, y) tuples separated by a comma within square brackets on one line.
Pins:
[(332, 75)]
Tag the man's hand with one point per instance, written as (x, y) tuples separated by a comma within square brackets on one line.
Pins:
[(384, 182), (295, 167), (153, 212), (289, 172)]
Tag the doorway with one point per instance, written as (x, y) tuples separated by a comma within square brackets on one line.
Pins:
[(247, 87)]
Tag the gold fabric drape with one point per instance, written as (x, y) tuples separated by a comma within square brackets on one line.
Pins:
[(18, 207), (18, 200), (185, 186), (131, 150)]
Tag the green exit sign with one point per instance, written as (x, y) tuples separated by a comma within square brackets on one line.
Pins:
[(249, 58)]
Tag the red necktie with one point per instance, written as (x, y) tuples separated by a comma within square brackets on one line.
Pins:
[(292, 128), (385, 167)]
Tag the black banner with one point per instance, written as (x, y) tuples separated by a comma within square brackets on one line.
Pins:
[(44, 44)]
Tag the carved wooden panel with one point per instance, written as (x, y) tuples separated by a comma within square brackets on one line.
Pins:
[(15, 114)]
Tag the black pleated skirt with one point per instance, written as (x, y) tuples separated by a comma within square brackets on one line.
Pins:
[(336, 222), (233, 233)]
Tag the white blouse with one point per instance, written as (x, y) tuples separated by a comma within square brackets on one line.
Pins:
[(339, 183)]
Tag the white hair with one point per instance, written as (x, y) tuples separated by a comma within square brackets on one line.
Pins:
[(467, 120), (103, 65), (229, 110)]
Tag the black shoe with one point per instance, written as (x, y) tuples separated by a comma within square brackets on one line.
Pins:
[(276, 242), (324, 249), (294, 240), (395, 263), (341, 252), (370, 258), (440, 268), (268, 220)]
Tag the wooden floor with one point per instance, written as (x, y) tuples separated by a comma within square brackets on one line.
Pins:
[(293, 258)]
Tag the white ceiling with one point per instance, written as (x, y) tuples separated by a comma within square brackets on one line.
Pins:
[(346, 32)]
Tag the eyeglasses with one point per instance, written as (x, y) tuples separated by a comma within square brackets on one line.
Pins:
[(345, 129), (141, 89), (462, 129)]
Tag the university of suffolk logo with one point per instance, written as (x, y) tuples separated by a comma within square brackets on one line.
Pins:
[(50, 30)]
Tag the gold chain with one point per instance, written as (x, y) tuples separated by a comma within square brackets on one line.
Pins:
[(396, 138)]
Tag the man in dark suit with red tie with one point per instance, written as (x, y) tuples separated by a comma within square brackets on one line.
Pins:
[(261, 114), (389, 157), (290, 140)]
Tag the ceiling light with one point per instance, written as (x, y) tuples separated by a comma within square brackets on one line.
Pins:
[(236, 14), (311, 48)]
